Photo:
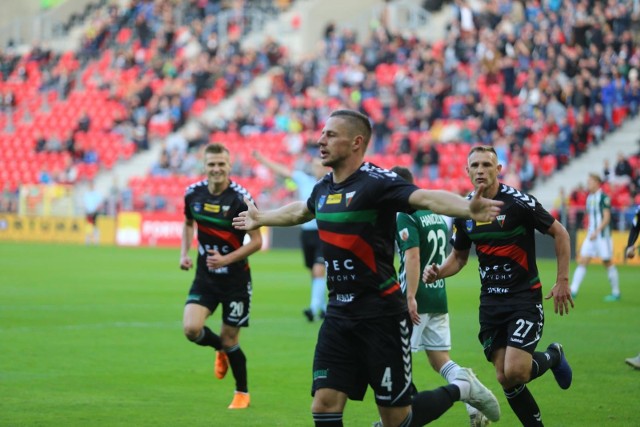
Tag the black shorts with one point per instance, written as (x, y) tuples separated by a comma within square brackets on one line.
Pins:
[(506, 326), (351, 354), (311, 247), (235, 307)]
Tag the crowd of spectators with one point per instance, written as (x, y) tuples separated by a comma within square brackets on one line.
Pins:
[(540, 81), (156, 59)]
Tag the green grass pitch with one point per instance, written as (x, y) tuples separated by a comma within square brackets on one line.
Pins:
[(92, 336)]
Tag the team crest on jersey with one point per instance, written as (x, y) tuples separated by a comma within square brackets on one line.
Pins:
[(334, 199), (469, 224), (501, 219), (225, 209), (321, 201), (404, 234), (211, 208), (197, 207), (350, 197)]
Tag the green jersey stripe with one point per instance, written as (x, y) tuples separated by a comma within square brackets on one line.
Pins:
[(355, 216), (223, 222), (518, 231)]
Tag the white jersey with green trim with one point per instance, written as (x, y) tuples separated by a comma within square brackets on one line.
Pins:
[(597, 203)]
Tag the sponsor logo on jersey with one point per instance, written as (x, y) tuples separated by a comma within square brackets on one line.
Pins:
[(497, 290), (334, 199), (321, 201), (345, 297), (496, 273), (225, 209), (350, 196), (211, 208), (197, 207), (469, 224), (320, 374), (501, 219), (404, 234)]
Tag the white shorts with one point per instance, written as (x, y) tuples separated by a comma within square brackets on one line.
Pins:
[(600, 247), (433, 333)]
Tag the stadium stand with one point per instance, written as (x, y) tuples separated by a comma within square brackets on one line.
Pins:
[(540, 83)]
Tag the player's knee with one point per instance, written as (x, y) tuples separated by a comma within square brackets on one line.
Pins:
[(192, 332), (328, 400), (320, 405), (515, 376)]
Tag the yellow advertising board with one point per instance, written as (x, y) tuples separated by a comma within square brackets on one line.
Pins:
[(53, 229), (619, 246)]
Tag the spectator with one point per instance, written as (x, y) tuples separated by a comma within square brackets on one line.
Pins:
[(622, 172), (427, 156)]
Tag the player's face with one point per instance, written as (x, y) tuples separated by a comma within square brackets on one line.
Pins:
[(483, 168), (217, 167), (336, 142)]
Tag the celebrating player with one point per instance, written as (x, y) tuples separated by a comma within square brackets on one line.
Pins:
[(364, 339), (222, 272), (511, 312)]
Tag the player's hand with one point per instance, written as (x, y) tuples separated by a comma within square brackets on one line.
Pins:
[(430, 273), (215, 259), (412, 304), (631, 252), (561, 295), (592, 235), (483, 209), (186, 263), (247, 220)]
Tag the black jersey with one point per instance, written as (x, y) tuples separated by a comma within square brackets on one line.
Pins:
[(506, 247), (356, 224), (635, 228), (213, 215)]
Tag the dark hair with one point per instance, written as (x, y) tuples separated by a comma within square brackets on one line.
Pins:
[(216, 148), (359, 120), (482, 149), (403, 173)]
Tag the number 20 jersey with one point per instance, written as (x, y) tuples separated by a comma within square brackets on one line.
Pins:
[(213, 215), (356, 225)]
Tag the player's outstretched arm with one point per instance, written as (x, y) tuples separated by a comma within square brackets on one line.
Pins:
[(291, 214), (560, 292), (450, 204)]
